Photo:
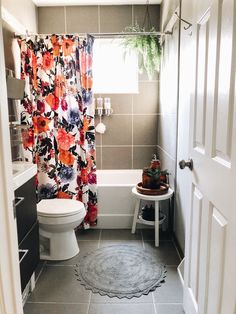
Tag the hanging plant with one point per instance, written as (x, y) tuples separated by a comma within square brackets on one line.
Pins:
[(147, 47)]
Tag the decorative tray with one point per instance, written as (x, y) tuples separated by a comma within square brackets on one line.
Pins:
[(163, 189)]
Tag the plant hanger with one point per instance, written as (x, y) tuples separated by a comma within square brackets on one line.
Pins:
[(147, 18), (147, 47)]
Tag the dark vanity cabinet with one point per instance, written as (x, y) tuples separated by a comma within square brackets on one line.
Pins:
[(27, 230)]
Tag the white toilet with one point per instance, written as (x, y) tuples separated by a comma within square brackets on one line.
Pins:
[(57, 220)]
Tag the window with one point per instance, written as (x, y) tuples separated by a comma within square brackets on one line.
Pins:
[(112, 72)]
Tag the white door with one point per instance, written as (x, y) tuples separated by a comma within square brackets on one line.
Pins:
[(210, 250), (10, 291)]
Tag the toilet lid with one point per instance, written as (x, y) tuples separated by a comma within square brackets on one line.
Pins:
[(59, 207)]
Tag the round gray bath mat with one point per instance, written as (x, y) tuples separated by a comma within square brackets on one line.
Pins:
[(122, 271)]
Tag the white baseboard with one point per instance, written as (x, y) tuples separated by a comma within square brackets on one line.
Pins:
[(117, 221)]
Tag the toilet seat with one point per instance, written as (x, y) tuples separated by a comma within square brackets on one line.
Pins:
[(59, 207)]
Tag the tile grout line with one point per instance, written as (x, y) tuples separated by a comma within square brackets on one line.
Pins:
[(132, 15), (99, 239), (177, 251), (137, 114), (67, 303), (164, 151), (65, 19), (99, 19), (171, 303), (154, 145), (89, 302), (142, 239), (100, 120), (44, 265), (153, 300)]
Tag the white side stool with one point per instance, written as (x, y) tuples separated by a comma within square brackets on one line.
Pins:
[(156, 199)]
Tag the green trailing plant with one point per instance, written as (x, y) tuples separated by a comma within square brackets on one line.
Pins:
[(147, 47)]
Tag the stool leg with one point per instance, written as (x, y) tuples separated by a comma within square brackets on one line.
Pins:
[(136, 211), (156, 223)]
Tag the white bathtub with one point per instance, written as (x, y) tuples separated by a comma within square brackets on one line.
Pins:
[(115, 201)]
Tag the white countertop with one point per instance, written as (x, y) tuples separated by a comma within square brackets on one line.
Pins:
[(22, 172)]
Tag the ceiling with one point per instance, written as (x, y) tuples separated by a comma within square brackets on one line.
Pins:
[(43, 3)]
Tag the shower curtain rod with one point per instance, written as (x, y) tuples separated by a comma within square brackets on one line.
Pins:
[(99, 34)]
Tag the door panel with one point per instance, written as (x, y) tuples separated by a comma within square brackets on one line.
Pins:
[(210, 273), (201, 81), (224, 103), (216, 261), (195, 241)]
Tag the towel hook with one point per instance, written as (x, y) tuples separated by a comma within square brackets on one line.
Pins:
[(186, 22)]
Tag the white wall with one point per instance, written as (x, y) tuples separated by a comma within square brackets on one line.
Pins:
[(175, 100), (183, 177), (24, 11), (168, 124)]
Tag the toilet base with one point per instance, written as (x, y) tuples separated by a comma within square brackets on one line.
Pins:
[(58, 246)]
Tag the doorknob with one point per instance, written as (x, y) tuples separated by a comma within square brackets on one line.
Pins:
[(183, 164)]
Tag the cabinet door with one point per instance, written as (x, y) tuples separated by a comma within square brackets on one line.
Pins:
[(26, 212), (29, 255)]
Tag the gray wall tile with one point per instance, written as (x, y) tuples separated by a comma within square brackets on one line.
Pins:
[(142, 156), (117, 158), (82, 19), (143, 76), (98, 157), (145, 130), (139, 15), (120, 103), (115, 18), (51, 20), (147, 99), (119, 130)]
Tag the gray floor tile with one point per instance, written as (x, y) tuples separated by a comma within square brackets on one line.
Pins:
[(171, 291), (84, 246), (141, 308), (138, 243), (149, 234), (166, 252), (97, 298), (120, 234), (88, 234), (42, 308), (59, 284), (169, 308)]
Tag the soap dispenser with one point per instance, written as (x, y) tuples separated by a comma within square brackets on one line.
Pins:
[(151, 175)]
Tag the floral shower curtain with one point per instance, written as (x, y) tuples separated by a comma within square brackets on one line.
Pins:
[(57, 108)]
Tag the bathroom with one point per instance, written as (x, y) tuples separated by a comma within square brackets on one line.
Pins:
[(176, 114)]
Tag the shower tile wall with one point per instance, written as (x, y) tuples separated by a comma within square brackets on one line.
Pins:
[(131, 135)]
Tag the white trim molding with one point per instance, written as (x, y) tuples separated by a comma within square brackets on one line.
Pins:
[(10, 290)]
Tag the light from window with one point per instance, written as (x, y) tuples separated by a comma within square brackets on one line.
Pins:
[(112, 72)]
